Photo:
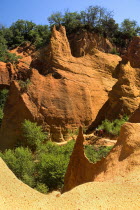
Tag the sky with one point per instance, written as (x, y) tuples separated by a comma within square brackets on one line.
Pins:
[(39, 10)]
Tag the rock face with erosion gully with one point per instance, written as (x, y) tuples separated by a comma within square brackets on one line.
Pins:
[(63, 92), (124, 98)]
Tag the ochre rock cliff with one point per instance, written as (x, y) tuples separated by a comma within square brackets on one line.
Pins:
[(135, 118), (64, 91), (133, 53), (4, 75), (124, 98), (83, 42), (123, 158)]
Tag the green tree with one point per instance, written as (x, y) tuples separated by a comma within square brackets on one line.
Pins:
[(130, 28), (56, 18), (71, 20), (33, 134), (109, 27)]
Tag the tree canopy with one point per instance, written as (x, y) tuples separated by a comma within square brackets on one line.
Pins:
[(95, 19)]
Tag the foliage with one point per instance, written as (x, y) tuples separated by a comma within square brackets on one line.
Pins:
[(130, 28), (94, 18), (24, 85), (56, 18), (113, 127), (95, 154), (21, 163), (33, 134), (41, 187), (3, 97), (6, 56), (1, 115), (21, 31), (73, 132), (44, 169), (52, 163), (114, 51)]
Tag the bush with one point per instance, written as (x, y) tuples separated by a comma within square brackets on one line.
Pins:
[(6, 56), (114, 51), (52, 164), (33, 134), (51, 170), (44, 168), (41, 187), (24, 85), (1, 115), (113, 127), (95, 154), (3, 97), (20, 161)]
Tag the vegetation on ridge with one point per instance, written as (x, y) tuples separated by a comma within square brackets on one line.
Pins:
[(94, 19), (43, 165)]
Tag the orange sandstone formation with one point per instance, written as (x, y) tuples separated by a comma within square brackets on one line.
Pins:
[(123, 158), (4, 75), (124, 98), (63, 92), (84, 42)]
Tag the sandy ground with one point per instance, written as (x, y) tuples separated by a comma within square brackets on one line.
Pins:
[(124, 193)]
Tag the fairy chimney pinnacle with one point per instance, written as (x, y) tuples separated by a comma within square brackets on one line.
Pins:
[(59, 43)]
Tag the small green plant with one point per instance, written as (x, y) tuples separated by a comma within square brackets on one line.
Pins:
[(95, 154), (113, 127), (3, 97), (41, 187), (6, 56), (1, 115), (24, 85), (114, 51), (73, 132)]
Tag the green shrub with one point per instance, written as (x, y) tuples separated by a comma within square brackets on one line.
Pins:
[(20, 161), (41, 187), (114, 51), (52, 163), (51, 170), (73, 132), (33, 134), (24, 85), (113, 127), (1, 115), (3, 97), (45, 168), (95, 154), (6, 56)]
